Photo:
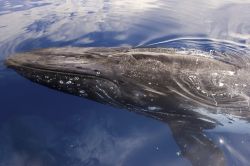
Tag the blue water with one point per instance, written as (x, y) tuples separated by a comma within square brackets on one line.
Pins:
[(40, 126)]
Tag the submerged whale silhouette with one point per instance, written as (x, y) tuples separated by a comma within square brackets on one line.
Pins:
[(158, 82)]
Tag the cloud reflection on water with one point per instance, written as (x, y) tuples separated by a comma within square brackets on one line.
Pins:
[(97, 138), (138, 22)]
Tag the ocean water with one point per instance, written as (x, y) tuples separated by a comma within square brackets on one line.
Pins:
[(44, 127)]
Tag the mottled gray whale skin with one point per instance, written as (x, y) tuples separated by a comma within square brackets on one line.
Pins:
[(162, 83), (120, 74)]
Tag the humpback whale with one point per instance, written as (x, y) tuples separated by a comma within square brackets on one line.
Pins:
[(161, 83)]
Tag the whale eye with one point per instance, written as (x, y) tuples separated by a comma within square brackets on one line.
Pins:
[(97, 72)]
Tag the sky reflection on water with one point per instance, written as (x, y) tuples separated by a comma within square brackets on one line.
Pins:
[(119, 23), (66, 130)]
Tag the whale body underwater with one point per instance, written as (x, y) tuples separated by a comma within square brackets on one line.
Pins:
[(186, 91), (149, 80)]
